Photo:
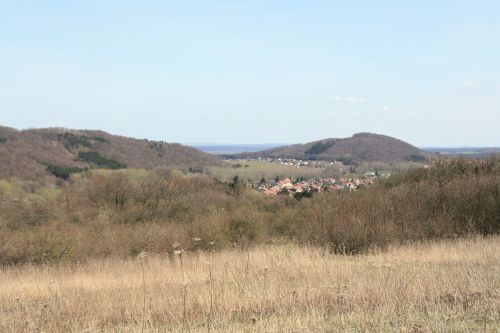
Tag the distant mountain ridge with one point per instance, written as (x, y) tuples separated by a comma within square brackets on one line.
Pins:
[(474, 152), (35, 153), (221, 149), (361, 147)]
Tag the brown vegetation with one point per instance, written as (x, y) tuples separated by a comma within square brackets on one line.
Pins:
[(450, 286), (36, 153), (120, 213), (361, 147)]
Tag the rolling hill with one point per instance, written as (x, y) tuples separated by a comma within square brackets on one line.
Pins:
[(361, 147), (40, 153)]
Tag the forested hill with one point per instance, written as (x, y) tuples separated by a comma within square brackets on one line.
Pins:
[(361, 147), (41, 153)]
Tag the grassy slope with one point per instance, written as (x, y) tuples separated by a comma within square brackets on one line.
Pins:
[(436, 286)]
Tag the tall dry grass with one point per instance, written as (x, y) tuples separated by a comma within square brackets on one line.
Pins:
[(447, 286)]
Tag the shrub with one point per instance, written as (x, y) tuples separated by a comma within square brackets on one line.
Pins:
[(124, 212), (242, 230)]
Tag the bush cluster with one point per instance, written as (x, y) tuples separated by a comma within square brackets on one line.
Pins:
[(102, 213)]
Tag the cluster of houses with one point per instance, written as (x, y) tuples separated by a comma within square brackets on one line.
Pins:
[(303, 188), (300, 163)]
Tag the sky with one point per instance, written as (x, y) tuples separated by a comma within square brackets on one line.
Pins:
[(427, 72)]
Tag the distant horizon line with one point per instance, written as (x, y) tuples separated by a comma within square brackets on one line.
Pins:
[(216, 144), (220, 144)]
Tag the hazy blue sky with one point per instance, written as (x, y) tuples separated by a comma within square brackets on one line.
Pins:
[(425, 71)]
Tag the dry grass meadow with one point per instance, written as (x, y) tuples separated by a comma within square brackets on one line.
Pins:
[(447, 286), (253, 171)]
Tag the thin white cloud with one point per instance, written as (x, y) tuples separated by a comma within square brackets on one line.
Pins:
[(386, 108), (349, 99), (470, 83), (410, 112)]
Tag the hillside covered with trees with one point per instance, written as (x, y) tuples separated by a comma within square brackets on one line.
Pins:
[(42, 154), (361, 147)]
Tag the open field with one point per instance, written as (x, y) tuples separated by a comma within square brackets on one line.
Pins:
[(253, 171), (451, 286)]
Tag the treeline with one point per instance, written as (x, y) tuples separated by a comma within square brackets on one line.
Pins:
[(102, 213)]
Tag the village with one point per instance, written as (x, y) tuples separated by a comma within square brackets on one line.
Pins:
[(305, 183), (305, 188), (300, 163)]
